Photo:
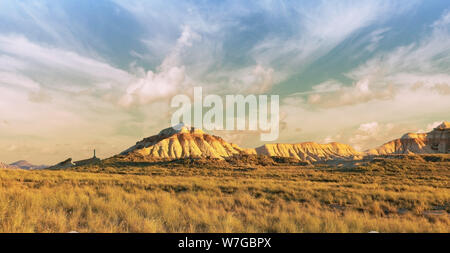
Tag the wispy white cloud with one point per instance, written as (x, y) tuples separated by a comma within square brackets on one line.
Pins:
[(45, 21), (321, 27), (333, 93), (375, 37), (12, 79), (417, 66), (444, 21), (169, 78), (46, 57), (255, 79), (308, 31), (431, 55), (370, 133), (430, 127)]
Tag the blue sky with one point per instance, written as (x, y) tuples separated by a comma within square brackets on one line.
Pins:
[(75, 75)]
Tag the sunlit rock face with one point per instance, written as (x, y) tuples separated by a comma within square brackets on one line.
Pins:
[(183, 141), (436, 141), (310, 151)]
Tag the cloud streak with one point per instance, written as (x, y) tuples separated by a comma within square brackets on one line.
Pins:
[(320, 28), (169, 78)]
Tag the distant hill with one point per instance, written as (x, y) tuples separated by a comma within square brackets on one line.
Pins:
[(7, 166), (27, 166), (436, 141)]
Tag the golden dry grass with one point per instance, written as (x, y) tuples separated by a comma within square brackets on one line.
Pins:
[(389, 195)]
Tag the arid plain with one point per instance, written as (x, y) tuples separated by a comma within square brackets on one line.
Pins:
[(242, 192)]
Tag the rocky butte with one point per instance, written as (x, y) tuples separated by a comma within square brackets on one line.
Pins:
[(184, 141), (436, 141)]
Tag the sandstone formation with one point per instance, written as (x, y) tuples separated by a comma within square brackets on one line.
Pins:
[(309, 151), (183, 141), (436, 141)]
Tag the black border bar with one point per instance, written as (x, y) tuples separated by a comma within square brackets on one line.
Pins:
[(127, 242)]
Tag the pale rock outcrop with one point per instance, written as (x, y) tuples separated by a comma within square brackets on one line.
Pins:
[(309, 151), (183, 141), (436, 141)]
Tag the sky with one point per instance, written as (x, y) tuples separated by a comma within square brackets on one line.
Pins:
[(79, 75)]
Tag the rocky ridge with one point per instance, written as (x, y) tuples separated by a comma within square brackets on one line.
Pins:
[(183, 141), (436, 141)]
